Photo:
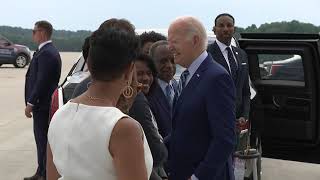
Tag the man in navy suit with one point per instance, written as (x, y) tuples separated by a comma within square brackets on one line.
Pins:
[(42, 79), (161, 96), (234, 60), (203, 128)]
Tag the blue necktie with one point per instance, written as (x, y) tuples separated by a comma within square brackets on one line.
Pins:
[(182, 81), (232, 63), (169, 94)]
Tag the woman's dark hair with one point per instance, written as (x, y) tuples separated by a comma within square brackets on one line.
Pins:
[(85, 48), (149, 62), (151, 37), (111, 51), (119, 24)]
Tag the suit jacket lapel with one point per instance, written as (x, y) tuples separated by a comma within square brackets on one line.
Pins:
[(195, 79), (219, 56), (161, 98), (35, 55)]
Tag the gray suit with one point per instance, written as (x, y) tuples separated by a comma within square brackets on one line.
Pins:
[(242, 80)]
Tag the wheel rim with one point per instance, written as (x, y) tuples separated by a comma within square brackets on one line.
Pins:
[(21, 61)]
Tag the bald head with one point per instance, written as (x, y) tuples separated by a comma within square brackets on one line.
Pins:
[(187, 39)]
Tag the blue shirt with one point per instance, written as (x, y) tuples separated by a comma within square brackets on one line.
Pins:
[(164, 85), (195, 65)]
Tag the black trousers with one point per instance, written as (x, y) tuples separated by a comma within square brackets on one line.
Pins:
[(40, 130)]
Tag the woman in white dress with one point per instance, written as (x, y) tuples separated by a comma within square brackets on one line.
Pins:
[(89, 138)]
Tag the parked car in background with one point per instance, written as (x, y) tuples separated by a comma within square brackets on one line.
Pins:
[(282, 65), (10, 53)]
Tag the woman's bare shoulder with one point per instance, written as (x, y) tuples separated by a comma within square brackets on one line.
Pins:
[(127, 126)]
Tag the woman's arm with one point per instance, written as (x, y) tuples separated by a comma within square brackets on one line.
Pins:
[(126, 148), (52, 173)]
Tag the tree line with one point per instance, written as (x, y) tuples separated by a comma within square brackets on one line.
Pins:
[(280, 27), (73, 40), (63, 40)]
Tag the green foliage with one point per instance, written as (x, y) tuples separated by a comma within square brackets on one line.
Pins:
[(282, 27), (63, 40)]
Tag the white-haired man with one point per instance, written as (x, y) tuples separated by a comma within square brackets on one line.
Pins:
[(203, 135)]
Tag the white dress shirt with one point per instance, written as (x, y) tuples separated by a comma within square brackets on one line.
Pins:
[(44, 43), (195, 65), (223, 49)]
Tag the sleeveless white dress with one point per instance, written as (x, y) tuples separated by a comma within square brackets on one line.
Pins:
[(79, 138)]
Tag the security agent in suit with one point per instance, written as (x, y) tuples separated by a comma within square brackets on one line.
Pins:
[(42, 79), (161, 96), (203, 127), (236, 64)]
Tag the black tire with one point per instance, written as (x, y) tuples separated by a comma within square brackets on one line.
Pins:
[(21, 61)]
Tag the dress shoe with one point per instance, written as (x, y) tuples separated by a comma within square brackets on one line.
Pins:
[(34, 177)]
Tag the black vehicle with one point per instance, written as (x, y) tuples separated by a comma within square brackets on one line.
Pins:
[(285, 113), (15, 54)]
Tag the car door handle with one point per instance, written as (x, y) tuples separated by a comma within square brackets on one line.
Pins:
[(275, 102)]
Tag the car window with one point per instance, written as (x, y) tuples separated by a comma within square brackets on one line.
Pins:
[(281, 67)]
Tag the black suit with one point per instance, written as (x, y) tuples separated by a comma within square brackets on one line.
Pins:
[(140, 111), (242, 78), (42, 79)]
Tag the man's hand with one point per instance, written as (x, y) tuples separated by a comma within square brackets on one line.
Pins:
[(28, 111)]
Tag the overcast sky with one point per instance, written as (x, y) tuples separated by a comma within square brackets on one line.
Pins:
[(88, 14)]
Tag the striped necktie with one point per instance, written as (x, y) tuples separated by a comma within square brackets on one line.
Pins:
[(169, 94), (232, 63), (182, 81)]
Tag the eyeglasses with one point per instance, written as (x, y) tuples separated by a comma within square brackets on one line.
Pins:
[(35, 30)]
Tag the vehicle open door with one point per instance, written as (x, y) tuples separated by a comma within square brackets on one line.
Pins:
[(285, 71)]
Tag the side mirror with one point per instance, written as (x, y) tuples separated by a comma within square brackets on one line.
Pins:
[(7, 43)]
